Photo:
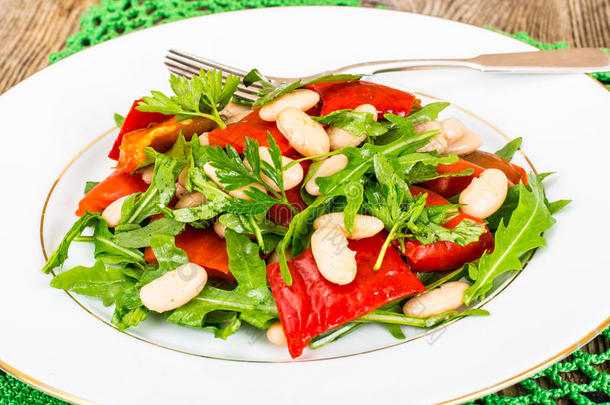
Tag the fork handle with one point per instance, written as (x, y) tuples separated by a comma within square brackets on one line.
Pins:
[(580, 60)]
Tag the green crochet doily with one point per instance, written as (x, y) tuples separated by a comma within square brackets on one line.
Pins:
[(116, 17)]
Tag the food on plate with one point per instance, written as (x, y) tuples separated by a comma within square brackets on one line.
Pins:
[(308, 212)]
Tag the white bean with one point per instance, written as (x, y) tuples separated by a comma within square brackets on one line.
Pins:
[(180, 191), (365, 226), (210, 171), (220, 229), (303, 99), (307, 136), (183, 176), (340, 138), (469, 142), (112, 213), (204, 139), (485, 194), (445, 298), (234, 112), (327, 168), (191, 200), (175, 288), (292, 176), (438, 143), (453, 129), (147, 173), (336, 262), (276, 334)]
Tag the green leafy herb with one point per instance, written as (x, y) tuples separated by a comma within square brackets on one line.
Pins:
[(354, 122), (522, 233), (509, 150), (203, 95), (60, 254), (430, 322), (270, 91), (428, 112), (128, 310), (90, 185), (139, 238), (235, 174), (161, 190), (97, 281), (109, 251), (119, 120), (251, 298)]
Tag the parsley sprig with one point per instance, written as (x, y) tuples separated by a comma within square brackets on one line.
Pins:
[(203, 95), (234, 173)]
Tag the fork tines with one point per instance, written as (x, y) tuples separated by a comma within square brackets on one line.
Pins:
[(185, 64)]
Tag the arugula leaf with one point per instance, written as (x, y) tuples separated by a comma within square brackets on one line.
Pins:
[(119, 120), (522, 233), (128, 310), (270, 91), (97, 281), (251, 298), (430, 322), (354, 122), (428, 112), (334, 334), (419, 167), (354, 194), (90, 185), (167, 254), (139, 238), (508, 151), (203, 95), (110, 252), (60, 254), (160, 191)]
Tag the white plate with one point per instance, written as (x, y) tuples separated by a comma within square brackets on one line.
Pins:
[(557, 303)]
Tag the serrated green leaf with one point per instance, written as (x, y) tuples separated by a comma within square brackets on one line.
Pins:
[(523, 232)]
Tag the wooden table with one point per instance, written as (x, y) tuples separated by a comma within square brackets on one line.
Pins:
[(30, 30)]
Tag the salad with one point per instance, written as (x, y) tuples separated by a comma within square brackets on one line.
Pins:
[(309, 212)]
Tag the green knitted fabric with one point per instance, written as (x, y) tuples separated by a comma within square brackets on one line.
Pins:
[(116, 17)]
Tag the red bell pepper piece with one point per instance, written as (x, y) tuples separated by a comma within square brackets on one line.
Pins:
[(340, 95), (117, 185), (486, 160), (251, 126), (441, 256), (450, 186), (135, 120), (313, 305), (203, 247)]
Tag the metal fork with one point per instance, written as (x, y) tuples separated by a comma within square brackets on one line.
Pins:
[(580, 60)]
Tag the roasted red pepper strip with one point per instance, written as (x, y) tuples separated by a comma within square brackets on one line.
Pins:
[(312, 305), (203, 247), (487, 160), (341, 95), (441, 256), (251, 126), (451, 186), (117, 185), (161, 137), (135, 120)]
